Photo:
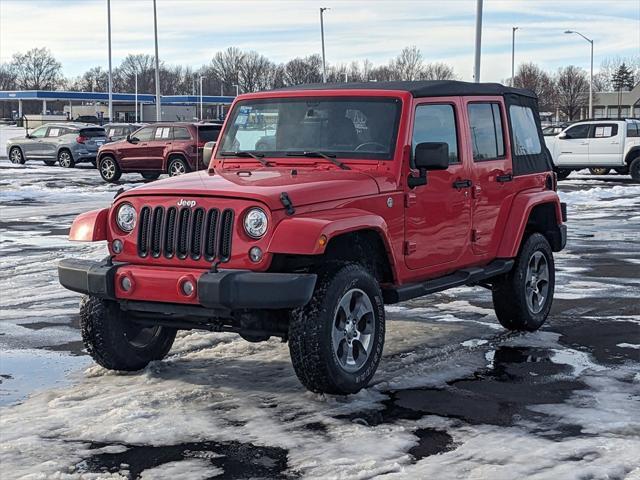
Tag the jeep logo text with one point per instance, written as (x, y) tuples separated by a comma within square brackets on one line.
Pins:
[(186, 203)]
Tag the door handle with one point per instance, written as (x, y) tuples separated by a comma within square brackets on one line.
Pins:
[(460, 184), (505, 177), (615, 143)]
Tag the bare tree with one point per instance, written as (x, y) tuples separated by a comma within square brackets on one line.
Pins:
[(142, 65), (303, 70), (572, 89), (95, 79), (36, 70), (227, 65), (256, 73), (603, 79), (532, 77), (437, 71), (408, 65), (7, 77)]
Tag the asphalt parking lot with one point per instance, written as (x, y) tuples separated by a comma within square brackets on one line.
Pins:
[(455, 396)]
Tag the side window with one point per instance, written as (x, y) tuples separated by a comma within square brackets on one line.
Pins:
[(144, 134), (181, 133), (436, 123), (162, 133), (55, 132), (39, 132), (604, 130), (487, 138), (578, 131), (633, 129), (525, 132)]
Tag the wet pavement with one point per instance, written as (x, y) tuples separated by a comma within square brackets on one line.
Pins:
[(455, 395)]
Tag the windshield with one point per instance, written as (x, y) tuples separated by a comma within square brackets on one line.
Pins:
[(353, 127)]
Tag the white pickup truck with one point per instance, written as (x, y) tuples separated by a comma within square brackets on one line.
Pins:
[(599, 145)]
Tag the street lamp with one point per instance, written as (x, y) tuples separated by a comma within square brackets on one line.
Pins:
[(201, 111), (136, 81), (591, 74), (110, 75), (324, 62), (155, 31), (513, 54), (476, 63)]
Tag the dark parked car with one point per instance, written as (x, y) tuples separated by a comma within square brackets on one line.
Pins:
[(66, 143), (119, 131), (173, 148)]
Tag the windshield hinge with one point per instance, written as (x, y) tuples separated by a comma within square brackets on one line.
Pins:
[(286, 202)]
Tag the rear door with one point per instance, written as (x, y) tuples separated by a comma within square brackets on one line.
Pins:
[(573, 150), (492, 170), (606, 142), (160, 141), (49, 144), (438, 214)]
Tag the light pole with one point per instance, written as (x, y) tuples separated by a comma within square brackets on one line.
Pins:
[(155, 31), (591, 73), (136, 77), (201, 111), (324, 61), (110, 75), (476, 63), (513, 54)]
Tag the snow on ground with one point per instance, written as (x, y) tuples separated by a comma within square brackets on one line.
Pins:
[(455, 395)]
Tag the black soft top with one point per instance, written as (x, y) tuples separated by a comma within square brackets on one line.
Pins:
[(423, 88)]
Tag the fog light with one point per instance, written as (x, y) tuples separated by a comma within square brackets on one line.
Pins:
[(116, 246), (125, 283), (187, 288), (255, 254)]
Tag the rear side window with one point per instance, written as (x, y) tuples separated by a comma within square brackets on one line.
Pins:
[(436, 123), (604, 130), (525, 132), (487, 138), (181, 133), (162, 133), (578, 131), (92, 132), (55, 132), (208, 133), (633, 129)]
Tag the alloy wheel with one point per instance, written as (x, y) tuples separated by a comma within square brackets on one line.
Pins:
[(64, 158), (177, 168), (15, 155), (108, 168), (537, 282), (353, 330)]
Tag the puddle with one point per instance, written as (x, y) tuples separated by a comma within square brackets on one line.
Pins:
[(238, 460)]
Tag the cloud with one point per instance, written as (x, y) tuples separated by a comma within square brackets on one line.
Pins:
[(191, 31)]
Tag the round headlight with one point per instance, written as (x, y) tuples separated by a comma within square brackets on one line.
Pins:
[(255, 223), (126, 217)]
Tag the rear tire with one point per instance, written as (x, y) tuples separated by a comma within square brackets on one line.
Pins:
[(65, 159), (150, 175), (16, 156), (109, 169), (634, 169), (178, 166), (599, 171), (563, 173), (115, 342), (522, 298), (336, 340)]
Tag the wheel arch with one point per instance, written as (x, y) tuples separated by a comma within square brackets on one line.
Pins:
[(631, 155), (172, 155), (11, 147)]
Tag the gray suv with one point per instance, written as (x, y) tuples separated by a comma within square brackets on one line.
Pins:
[(65, 143)]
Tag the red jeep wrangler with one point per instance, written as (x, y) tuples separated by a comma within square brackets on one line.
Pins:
[(173, 148), (322, 204)]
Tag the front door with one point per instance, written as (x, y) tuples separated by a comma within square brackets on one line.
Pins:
[(134, 154), (573, 149), (605, 145), (438, 214), (32, 146)]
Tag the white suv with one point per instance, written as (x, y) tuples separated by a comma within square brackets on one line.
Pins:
[(599, 145)]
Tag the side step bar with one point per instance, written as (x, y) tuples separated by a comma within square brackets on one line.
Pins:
[(466, 276)]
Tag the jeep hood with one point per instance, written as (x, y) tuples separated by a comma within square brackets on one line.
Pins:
[(304, 187)]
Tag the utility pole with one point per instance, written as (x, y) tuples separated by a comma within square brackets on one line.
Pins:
[(110, 74), (136, 77), (201, 111), (324, 61), (155, 31), (513, 54), (476, 63), (591, 72)]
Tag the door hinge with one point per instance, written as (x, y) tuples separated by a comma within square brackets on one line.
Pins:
[(475, 236), (410, 247), (410, 199)]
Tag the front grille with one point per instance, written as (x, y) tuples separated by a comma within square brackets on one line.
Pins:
[(184, 233)]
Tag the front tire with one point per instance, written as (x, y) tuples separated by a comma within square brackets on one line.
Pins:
[(522, 298), (109, 169), (117, 343), (336, 340), (599, 171), (16, 156), (563, 173), (65, 159), (177, 166)]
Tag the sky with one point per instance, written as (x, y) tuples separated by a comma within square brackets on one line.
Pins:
[(191, 31)]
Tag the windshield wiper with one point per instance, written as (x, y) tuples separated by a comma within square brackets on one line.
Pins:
[(245, 154), (314, 154)]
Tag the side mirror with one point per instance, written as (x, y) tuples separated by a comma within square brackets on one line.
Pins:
[(563, 135), (429, 156), (128, 139)]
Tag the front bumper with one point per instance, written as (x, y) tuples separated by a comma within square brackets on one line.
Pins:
[(226, 289)]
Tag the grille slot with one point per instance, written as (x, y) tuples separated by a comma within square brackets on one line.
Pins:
[(184, 233), (143, 232)]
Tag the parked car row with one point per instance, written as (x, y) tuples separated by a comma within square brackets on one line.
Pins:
[(116, 148)]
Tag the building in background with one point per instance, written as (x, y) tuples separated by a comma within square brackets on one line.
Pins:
[(605, 104)]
